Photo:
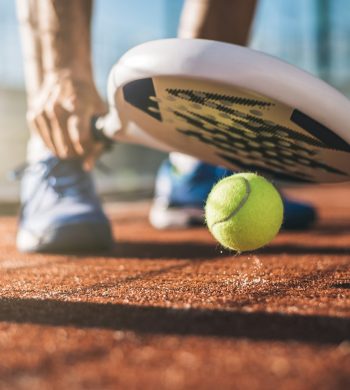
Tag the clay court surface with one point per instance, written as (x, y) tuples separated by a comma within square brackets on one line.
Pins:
[(171, 310)]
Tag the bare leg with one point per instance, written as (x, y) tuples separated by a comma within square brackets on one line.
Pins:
[(28, 11), (221, 20), (56, 49)]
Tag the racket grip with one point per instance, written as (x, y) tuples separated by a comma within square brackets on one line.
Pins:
[(98, 133)]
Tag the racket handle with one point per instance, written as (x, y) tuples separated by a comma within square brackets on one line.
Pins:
[(98, 133)]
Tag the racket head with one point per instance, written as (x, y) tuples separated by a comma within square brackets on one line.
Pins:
[(233, 107)]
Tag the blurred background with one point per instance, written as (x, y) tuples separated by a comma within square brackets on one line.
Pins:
[(312, 34)]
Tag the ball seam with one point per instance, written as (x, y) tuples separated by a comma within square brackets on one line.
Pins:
[(240, 205)]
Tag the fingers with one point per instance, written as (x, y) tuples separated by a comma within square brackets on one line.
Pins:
[(79, 133), (58, 120), (38, 124), (67, 136), (93, 156), (53, 131), (79, 127), (61, 115)]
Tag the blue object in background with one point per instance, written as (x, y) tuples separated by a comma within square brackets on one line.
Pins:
[(119, 25), (11, 73), (311, 34)]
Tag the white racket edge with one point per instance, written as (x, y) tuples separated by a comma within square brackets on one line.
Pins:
[(220, 63)]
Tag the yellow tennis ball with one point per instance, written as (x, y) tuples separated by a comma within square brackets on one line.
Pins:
[(244, 212)]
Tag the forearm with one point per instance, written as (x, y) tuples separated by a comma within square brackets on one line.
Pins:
[(55, 37), (65, 35), (27, 13)]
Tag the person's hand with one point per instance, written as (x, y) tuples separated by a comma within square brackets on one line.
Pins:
[(61, 114)]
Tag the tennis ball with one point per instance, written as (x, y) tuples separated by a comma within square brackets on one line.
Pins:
[(244, 212)]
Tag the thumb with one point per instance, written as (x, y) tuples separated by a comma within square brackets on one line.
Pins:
[(92, 156), (79, 133)]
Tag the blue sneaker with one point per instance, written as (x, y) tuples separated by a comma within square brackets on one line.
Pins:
[(60, 209), (180, 198)]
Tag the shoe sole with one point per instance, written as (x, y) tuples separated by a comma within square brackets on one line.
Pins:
[(85, 237)]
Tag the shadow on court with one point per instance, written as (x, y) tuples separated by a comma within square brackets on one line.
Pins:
[(204, 251), (158, 320)]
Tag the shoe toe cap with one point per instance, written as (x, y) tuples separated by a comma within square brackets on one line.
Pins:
[(73, 237)]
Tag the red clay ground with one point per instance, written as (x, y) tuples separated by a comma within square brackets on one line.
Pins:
[(171, 310)]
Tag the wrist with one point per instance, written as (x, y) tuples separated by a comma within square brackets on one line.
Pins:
[(64, 30)]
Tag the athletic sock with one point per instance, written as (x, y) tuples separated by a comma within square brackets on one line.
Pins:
[(37, 150), (183, 163)]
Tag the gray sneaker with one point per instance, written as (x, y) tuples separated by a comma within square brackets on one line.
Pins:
[(60, 209)]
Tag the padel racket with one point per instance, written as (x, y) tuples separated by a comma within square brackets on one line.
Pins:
[(229, 106)]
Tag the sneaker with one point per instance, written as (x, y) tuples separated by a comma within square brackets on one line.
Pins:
[(180, 199), (60, 209)]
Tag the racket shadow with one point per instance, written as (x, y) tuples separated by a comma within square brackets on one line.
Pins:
[(299, 249), (208, 251), (164, 251), (164, 321)]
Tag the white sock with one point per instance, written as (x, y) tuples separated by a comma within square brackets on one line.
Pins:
[(183, 163), (36, 149)]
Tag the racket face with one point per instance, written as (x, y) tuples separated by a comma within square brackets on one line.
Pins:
[(235, 128)]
